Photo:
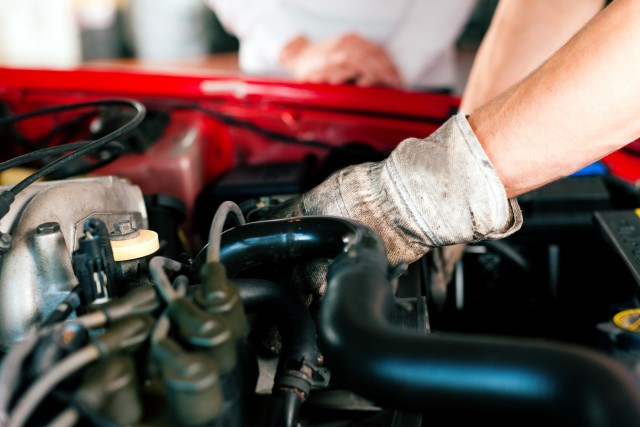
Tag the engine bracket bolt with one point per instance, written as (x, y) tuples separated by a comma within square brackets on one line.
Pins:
[(124, 230)]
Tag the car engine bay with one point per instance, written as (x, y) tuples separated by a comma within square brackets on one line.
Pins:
[(143, 283)]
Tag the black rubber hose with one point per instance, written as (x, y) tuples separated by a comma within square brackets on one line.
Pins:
[(291, 317), (299, 341), (287, 240), (459, 376), (285, 410), (280, 241)]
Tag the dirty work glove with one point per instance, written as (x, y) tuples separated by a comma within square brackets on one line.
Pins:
[(431, 192), (441, 190)]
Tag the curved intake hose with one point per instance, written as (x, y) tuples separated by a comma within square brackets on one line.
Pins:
[(283, 241), (460, 376), (464, 377)]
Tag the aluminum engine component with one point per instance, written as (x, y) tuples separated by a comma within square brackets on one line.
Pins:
[(45, 223)]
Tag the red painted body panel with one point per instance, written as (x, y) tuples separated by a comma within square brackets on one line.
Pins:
[(196, 148)]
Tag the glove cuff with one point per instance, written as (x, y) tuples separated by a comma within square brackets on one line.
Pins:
[(502, 217)]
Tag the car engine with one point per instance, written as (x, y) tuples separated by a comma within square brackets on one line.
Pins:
[(144, 283)]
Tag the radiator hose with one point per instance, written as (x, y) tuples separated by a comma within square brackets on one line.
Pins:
[(460, 377)]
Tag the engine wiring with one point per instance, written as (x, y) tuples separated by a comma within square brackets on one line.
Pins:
[(53, 151), (126, 331), (78, 149), (45, 384), (217, 225), (8, 196), (345, 148), (11, 367)]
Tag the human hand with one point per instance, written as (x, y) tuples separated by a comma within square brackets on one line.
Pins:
[(343, 59)]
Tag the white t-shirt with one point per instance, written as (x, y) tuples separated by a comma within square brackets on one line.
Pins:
[(419, 35)]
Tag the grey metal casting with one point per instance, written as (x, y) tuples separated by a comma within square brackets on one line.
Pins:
[(45, 223)]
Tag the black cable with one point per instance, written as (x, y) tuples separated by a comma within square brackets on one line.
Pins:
[(12, 132), (39, 154), (7, 197), (126, 128), (51, 151), (69, 107), (271, 134), (43, 149), (114, 149), (65, 131)]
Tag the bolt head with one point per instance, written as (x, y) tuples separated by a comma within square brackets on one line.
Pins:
[(124, 230), (123, 227)]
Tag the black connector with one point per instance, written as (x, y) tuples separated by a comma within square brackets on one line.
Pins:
[(93, 263)]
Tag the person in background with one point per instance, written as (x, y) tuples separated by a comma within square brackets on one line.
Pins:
[(402, 44)]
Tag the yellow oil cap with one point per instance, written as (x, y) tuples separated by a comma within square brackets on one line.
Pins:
[(144, 244), (628, 320)]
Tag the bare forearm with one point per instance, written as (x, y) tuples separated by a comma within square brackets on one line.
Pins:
[(523, 33), (579, 106)]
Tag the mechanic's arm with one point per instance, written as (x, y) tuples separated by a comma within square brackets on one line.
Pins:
[(579, 106), (458, 184), (522, 34)]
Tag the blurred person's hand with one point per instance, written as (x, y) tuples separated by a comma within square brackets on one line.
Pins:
[(345, 59)]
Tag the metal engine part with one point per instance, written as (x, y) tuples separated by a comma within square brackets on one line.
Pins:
[(45, 222)]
